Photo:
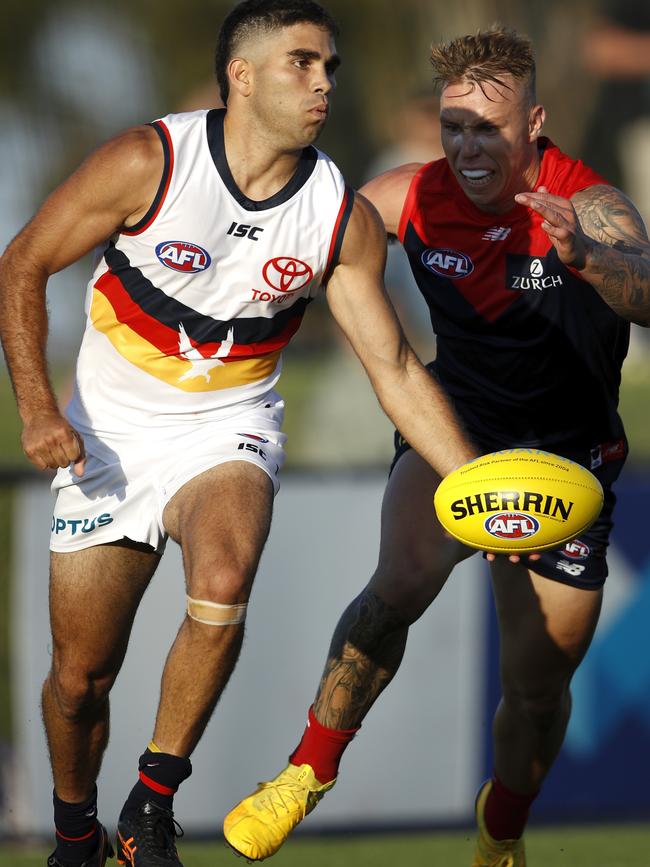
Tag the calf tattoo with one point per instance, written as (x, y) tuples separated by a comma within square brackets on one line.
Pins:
[(365, 653)]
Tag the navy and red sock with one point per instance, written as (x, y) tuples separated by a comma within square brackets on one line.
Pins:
[(77, 830), (160, 776), (322, 748)]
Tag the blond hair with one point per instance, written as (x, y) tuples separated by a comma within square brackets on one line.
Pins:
[(486, 56)]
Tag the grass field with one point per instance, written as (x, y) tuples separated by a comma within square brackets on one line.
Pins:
[(605, 846)]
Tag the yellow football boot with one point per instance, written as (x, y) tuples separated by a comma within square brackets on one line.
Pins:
[(490, 852), (259, 825)]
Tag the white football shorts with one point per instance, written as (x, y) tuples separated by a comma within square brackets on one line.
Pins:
[(126, 485)]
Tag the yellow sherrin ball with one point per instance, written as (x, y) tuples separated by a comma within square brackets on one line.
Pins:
[(518, 501)]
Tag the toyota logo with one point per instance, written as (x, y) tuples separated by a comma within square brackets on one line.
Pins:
[(286, 274)]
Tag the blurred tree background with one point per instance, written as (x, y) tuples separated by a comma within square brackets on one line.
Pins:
[(73, 72)]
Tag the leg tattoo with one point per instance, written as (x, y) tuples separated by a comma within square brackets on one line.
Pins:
[(365, 653)]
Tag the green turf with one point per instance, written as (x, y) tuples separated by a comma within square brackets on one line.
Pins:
[(605, 846)]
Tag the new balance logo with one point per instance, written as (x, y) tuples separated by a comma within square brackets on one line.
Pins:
[(497, 233)]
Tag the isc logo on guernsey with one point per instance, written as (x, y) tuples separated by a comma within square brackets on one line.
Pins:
[(447, 263), (183, 256)]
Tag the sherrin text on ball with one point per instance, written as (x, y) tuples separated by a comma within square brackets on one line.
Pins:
[(518, 501)]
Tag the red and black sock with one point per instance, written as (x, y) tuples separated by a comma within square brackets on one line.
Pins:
[(506, 812), (160, 776), (322, 748), (77, 831)]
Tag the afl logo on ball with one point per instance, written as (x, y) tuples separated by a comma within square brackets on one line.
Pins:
[(447, 263), (286, 274), (183, 256), (511, 525)]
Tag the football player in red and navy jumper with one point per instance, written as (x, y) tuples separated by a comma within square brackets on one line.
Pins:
[(533, 267), (216, 229)]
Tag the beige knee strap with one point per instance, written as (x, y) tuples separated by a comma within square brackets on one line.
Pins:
[(215, 613)]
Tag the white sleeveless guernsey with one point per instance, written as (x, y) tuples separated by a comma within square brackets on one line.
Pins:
[(189, 310)]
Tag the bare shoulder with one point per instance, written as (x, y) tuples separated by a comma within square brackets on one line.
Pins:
[(135, 146), (112, 188), (119, 179), (134, 156), (387, 193), (365, 235), (609, 216)]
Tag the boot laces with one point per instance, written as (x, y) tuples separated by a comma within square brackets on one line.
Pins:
[(285, 797), (158, 830)]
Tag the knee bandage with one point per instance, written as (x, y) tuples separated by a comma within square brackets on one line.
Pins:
[(215, 613)]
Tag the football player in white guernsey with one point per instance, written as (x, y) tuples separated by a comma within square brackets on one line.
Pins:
[(199, 286)]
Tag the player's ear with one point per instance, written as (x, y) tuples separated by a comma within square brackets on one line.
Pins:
[(536, 119), (240, 76)]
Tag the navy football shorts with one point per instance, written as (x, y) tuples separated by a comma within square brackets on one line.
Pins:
[(582, 562)]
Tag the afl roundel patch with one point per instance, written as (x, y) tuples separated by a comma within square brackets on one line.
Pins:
[(512, 525), (447, 263), (183, 256), (576, 550)]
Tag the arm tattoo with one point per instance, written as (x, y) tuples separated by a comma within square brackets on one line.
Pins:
[(618, 265), (366, 651)]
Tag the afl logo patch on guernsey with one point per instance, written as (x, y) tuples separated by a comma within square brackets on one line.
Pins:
[(447, 263), (183, 256), (511, 525), (286, 274)]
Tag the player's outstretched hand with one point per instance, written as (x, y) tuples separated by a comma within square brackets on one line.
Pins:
[(561, 224), (49, 441)]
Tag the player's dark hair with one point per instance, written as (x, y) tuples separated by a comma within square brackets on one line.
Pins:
[(262, 16), (486, 56)]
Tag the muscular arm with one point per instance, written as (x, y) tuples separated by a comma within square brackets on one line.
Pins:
[(600, 233), (111, 189), (409, 395), (618, 264)]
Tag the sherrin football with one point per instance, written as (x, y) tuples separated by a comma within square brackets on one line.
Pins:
[(518, 501)]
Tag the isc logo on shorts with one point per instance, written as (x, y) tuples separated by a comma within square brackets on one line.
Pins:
[(183, 256), (250, 447), (511, 525), (447, 263)]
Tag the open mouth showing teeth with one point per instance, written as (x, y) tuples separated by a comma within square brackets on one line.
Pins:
[(477, 177)]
